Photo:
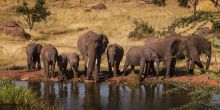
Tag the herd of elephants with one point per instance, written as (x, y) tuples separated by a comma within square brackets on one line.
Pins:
[(93, 45)]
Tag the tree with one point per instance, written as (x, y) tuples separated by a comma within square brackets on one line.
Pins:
[(194, 4), (37, 13)]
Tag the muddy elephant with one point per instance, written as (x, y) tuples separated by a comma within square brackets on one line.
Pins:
[(148, 57), (92, 45), (33, 51), (166, 50), (73, 60), (115, 54), (62, 63), (49, 56)]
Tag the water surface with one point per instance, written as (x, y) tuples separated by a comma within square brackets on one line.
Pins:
[(92, 96)]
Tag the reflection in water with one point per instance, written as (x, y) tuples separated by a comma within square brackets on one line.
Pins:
[(91, 96)]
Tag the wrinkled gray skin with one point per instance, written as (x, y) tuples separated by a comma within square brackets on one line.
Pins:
[(148, 57), (191, 49), (73, 60), (62, 62), (133, 57), (49, 56), (166, 50), (115, 54), (92, 45), (33, 51)]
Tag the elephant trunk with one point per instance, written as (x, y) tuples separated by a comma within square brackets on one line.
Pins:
[(209, 55), (90, 64)]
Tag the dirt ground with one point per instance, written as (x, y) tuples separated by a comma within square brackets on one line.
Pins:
[(39, 76)]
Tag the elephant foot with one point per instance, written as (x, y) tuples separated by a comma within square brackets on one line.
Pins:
[(115, 75)]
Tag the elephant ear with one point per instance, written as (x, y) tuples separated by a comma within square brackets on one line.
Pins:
[(104, 41)]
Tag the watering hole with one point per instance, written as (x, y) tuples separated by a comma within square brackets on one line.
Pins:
[(93, 96)]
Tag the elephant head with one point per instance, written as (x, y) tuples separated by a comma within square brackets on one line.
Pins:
[(175, 46), (95, 46)]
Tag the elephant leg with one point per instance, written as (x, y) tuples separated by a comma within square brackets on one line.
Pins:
[(173, 64), (52, 69), (28, 65), (34, 64), (192, 65), (152, 69), (46, 69), (187, 66), (38, 63), (125, 69), (168, 67), (158, 67), (115, 70), (85, 58), (110, 68), (117, 67), (75, 71)]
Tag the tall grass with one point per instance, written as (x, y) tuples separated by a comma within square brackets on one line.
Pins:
[(12, 94)]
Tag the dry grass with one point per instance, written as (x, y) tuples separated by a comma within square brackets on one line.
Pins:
[(67, 22)]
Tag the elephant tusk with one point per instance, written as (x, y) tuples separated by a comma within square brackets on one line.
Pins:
[(96, 62), (115, 62), (87, 63), (207, 57)]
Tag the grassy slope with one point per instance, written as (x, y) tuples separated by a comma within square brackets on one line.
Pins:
[(68, 22)]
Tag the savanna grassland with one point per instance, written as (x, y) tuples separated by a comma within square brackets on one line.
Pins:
[(68, 20)]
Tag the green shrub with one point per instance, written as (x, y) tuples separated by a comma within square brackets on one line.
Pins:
[(142, 30), (183, 3), (216, 27)]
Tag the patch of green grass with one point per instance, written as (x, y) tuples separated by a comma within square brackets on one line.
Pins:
[(12, 94)]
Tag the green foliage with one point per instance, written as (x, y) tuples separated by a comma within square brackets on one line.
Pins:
[(183, 3), (142, 30), (37, 13), (216, 27), (200, 16), (12, 94)]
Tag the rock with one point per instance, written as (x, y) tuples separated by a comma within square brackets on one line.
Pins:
[(13, 29), (100, 6)]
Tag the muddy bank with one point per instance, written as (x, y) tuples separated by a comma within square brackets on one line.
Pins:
[(39, 76)]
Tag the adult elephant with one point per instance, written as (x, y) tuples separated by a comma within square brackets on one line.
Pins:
[(166, 50), (92, 45), (49, 55), (192, 48), (33, 51)]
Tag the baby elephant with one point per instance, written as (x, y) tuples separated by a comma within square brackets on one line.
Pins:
[(74, 63), (62, 62), (33, 56), (148, 57), (49, 56), (115, 54)]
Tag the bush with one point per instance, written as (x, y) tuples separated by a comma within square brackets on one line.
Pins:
[(183, 3), (216, 27), (159, 2), (142, 30)]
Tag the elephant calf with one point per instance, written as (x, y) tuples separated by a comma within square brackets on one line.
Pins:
[(115, 54), (148, 57), (74, 63), (62, 62), (33, 51), (49, 56)]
